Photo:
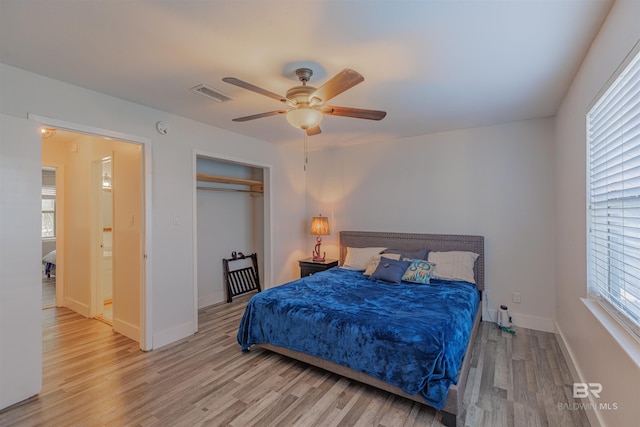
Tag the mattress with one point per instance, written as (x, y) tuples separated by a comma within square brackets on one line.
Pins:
[(409, 335)]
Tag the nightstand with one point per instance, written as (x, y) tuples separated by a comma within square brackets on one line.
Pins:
[(308, 266)]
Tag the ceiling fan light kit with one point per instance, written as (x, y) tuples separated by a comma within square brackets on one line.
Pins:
[(307, 102), (304, 118)]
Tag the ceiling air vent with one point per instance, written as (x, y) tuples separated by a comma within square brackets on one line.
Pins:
[(210, 93)]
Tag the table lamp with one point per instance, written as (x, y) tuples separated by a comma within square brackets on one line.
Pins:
[(319, 227)]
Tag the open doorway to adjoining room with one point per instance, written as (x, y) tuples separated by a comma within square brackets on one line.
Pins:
[(99, 221)]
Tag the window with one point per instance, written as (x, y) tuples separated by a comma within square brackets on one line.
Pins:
[(613, 196), (48, 212)]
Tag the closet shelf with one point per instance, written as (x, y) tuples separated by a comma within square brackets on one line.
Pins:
[(254, 186)]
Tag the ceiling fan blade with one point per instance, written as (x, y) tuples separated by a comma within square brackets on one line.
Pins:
[(357, 113), (342, 81), (313, 131), (256, 89), (259, 116)]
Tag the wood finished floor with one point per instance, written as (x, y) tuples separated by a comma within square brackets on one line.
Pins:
[(94, 377), (48, 291)]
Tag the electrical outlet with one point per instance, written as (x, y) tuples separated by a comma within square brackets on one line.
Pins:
[(516, 297)]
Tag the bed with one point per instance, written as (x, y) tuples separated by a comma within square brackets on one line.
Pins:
[(49, 261), (408, 339)]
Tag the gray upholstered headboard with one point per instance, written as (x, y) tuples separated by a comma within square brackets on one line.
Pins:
[(414, 241)]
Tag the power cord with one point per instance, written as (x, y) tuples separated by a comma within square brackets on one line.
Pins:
[(488, 308), (503, 328)]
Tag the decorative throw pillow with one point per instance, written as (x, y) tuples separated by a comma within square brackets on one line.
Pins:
[(390, 270), (375, 260), (419, 271), (413, 254), (358, 258), (454, 265)]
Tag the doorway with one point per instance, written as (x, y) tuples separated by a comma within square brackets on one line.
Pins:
[(104, 229), (102, 225), (48, 232)]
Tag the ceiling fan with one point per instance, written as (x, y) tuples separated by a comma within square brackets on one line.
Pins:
[(307, 102)]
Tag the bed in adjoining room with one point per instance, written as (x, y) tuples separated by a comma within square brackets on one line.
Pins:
[(400, 313), (49, 261)]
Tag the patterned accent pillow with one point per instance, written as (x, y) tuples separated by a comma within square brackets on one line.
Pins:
[(419, 271)]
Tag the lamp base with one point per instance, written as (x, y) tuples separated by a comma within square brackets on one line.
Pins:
[(316, 251)]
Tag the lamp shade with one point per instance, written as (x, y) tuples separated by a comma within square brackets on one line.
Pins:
[(320, 225), (304, 118)]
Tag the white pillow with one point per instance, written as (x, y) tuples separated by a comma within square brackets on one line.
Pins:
[(454, 265), (358, 258), (50, 257), (375, 261)]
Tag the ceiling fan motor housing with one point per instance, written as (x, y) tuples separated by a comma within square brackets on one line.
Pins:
[(304, 74), (301, 94)]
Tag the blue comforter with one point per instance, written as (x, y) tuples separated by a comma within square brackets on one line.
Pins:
[(411, 336)]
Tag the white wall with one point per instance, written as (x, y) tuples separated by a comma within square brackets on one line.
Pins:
[(493, 181), (172, 263), (48, 246), (596, 355), (20, 261), (225, 224)]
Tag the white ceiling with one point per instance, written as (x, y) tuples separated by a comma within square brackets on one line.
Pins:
[(432, 65)]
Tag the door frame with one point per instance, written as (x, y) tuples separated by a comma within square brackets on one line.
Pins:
[(266, 220), (60, 254), (96, 307), (146, 334)]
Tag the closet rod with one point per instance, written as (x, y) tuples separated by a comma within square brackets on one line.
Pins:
[(254, 186), (226, 180), (237, 190)]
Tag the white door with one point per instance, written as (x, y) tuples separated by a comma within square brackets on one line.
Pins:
[(102, 239)]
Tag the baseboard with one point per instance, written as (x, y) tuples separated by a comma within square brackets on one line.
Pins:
[(127, 329), (525, 321), (77, 306), (207, 300), (174, 334), (533, 322), (568, 355), (577, 376)]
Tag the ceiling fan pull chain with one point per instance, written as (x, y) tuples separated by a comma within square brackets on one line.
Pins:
[(306, 159)]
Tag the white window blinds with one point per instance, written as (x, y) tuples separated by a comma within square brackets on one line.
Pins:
[(613, 133), (48, 212)]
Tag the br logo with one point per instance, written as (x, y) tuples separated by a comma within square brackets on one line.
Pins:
[(582, 390)]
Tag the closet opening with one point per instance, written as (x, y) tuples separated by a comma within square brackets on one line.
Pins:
[(232, 199)]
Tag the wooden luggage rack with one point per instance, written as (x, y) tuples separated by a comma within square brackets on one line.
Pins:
[(242, 280)]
